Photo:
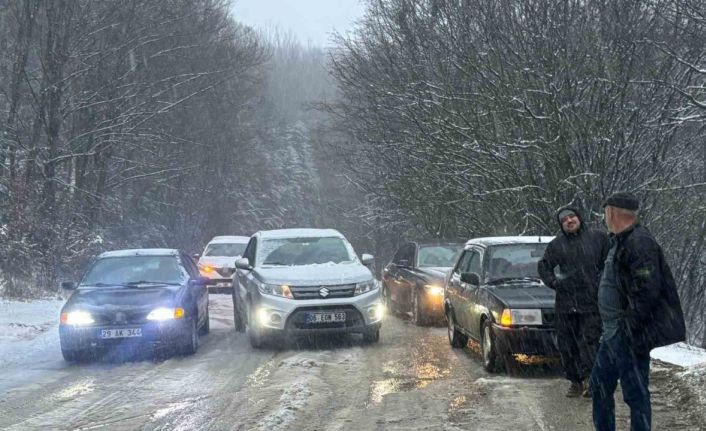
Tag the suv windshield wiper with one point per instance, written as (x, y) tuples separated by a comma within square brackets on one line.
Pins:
[(275, 264), (512, 279)]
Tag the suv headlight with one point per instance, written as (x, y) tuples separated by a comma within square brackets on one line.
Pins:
[(282, 290), (365, 287)]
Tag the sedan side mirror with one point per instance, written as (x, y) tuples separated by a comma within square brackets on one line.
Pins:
[(243, 263), (367, 259), (470, 278), (68, 285)]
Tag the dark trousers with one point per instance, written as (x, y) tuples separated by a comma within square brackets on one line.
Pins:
[(615, 361), (578, 336)]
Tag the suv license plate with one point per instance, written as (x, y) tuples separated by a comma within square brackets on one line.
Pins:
[(121, 333), (325, 317)]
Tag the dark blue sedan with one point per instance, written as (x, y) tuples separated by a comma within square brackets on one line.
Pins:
[(132, 300)]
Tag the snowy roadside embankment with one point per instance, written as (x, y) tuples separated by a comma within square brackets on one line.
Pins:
[(689, 372), (29, 337)]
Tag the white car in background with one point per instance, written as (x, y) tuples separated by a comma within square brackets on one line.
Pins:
[(217, 262)]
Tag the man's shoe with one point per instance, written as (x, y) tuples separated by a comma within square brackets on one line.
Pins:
[(575, 390), (586, 389)]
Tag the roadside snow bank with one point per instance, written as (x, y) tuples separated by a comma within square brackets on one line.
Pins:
[(680, 354)]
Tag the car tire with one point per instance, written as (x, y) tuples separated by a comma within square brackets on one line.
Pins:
[(457, 339), (237, 316), (389, 305), (191, 341), (371, 335), (418, 316), (206, 328), (254, 335), (488, 347)]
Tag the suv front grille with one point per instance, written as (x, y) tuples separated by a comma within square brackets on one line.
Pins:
[(323, 292)]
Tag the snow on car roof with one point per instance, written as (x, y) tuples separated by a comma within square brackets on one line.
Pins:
[(141, 252), (502, 240), (298, 233), (230, 239)]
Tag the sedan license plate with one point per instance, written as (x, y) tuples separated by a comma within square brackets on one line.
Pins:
[(326, 317), (121, 333)]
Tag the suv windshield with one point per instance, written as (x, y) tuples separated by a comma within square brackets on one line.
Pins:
[(135, 269), (514, 261), (437, 255), (225, 249), (303, 251)]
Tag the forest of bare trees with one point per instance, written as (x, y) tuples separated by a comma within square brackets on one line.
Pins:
[(480, 117), (142, 123)]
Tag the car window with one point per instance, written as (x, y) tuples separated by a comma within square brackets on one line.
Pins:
[(463, 261), (189, 265), (225, 249), (304, 251), (437, 255), (132, 269), (474, 262), (398, 255), (514, 260), (408, 253)]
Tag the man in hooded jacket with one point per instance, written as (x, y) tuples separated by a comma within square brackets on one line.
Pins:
[(572, 265)]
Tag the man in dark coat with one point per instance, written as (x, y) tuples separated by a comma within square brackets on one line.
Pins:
[(572, 265), (640, 309)]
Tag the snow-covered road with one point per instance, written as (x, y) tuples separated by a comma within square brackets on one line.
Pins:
[(412, 379)]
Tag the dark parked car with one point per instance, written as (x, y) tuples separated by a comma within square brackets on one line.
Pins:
[(414, 280), (494, 296), (129, 300)]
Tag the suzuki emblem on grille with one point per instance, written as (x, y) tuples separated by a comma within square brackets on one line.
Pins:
[(324, 292)]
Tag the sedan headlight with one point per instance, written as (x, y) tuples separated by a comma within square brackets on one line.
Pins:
[(77, 318), (365, 287), (282, 290), (521, 317), (164, 313), (434, 289)]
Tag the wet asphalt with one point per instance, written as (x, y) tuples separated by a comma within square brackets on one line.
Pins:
[(410, 380)]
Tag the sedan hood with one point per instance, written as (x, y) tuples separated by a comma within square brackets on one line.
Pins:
[(123, 298), (435, 273), (524, 295), (314, 275), (219, 261)]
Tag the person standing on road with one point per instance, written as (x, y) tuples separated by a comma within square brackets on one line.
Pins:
[(640, 309), (572, 265)]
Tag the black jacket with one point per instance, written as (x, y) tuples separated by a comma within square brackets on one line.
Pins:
[(654, 316), (578, 259)]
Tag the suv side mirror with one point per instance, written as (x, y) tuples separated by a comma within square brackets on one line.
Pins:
[(470, 278), (367, 259), (68, 285), (243, 263), (403, 263)]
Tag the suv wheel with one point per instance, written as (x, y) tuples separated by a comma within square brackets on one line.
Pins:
[(417, 310), (488, 347), (237, 316), (256, 338), (372, 335), (456, 338)]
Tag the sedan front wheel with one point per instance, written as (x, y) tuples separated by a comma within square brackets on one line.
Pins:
[(489, 349)]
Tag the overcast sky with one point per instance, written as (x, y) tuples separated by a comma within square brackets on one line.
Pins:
[(309, 20)]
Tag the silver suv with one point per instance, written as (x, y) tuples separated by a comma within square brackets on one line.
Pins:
[(304, 281)]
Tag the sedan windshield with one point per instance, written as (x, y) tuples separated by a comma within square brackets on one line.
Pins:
[(225, 249), (437, 255), (117, 271), (303, 251), (514, 261)]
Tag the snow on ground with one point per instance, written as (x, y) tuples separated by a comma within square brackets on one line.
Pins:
[(28, 331), (680, 354)]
